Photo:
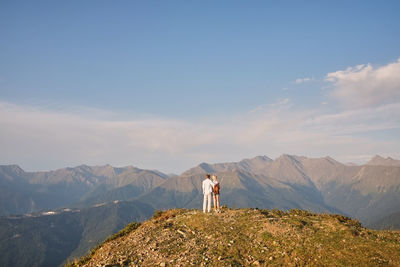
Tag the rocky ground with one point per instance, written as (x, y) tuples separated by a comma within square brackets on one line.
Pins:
[(237, 237)]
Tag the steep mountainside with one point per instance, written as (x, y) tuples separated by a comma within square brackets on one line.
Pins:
[(256, 164), (126, 185), (247, 237), (374, 192), (48, 239)]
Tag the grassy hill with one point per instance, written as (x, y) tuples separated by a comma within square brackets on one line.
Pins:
[(238, 237)]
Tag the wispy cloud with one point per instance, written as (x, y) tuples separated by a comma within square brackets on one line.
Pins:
[(356, 121), (365, 85), (303, 80)]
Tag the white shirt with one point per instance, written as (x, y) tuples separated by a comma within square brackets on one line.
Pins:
[(207, 186)]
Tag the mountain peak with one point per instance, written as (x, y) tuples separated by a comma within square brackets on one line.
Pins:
[(291, 158), (288, 156), (10, 172), (332, 160), (262, 158), (329, 158), (206, 167), (245, 237), (12, 167), (381, 161), (378, 158)]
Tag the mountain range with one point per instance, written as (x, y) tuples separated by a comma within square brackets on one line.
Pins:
[(369, 192), (27, 192), (366, 192)]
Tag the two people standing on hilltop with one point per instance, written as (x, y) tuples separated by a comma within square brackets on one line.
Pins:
[(210, 187)]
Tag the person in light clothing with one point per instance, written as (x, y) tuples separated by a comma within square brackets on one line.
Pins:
[(216, 189), (207, 186)]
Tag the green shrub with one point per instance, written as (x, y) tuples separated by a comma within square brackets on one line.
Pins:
[(348, 221), (277, 213), (266, 236), (129, 228), (266, 213), (157, 214), (300, 212)]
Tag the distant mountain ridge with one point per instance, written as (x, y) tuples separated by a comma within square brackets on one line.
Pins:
[(319, 184), (25, 192), (380, 161)]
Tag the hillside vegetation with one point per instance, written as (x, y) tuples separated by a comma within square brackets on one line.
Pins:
[(237, 237), (48, 240)]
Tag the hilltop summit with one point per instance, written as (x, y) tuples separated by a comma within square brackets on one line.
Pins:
[(238, 237)]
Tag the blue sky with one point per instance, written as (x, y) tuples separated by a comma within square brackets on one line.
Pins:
[(184, 82)]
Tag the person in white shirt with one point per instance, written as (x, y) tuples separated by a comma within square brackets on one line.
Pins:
[(207, 190)]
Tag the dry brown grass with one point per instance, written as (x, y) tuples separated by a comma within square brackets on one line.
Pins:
[(250, 237)]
